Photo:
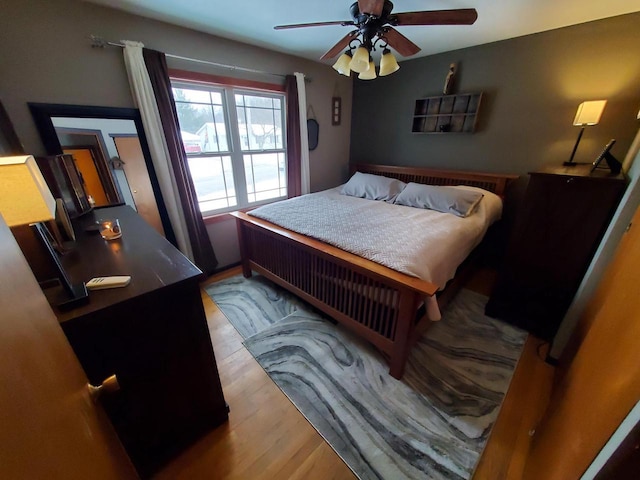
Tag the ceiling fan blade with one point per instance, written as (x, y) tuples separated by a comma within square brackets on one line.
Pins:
[(373, 7), (316, 24), (340, 46), (400, 43), (462, 16)]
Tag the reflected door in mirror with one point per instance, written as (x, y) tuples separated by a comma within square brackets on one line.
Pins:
[(133, 164), (86, 164)]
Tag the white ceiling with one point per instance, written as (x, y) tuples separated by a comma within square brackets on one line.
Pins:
[(252, 21)]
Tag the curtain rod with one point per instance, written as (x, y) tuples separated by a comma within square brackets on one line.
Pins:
[(99, 42)]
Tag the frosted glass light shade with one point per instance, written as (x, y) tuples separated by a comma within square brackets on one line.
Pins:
[(370, 73), (342, 64), (589, 113), (360, 61), (24, 195), (388, 63)]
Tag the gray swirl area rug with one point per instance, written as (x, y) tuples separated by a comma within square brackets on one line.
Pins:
[(433, 424)]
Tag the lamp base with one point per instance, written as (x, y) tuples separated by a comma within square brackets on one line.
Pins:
[(65, 298), (574, 164), (74, 294), (78, 296), (38, 258)]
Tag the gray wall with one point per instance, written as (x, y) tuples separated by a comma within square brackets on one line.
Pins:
[(532, 87), (46, 56)]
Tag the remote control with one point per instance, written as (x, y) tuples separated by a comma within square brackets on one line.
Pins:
[(100, 283)]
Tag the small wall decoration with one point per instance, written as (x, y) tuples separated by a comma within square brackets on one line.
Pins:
[(313, 128), (448, 82), (336, 110), (456, 113)]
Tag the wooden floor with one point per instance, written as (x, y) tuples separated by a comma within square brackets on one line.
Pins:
[(268, 438)]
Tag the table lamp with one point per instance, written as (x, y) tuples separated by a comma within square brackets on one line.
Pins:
[(25, 199), (588, 114)]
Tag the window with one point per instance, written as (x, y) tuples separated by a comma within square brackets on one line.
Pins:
[(235, 143)]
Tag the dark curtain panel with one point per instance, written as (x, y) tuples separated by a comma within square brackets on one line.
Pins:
[(203, 254), (294, 149)]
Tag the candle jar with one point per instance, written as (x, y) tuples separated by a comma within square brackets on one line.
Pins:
[(110, 229)]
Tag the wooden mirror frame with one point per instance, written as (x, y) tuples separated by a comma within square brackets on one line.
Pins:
[(43, 112)]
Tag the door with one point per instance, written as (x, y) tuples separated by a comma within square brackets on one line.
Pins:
[(50, 426), (602, 383), (135, 168), (92, 183)]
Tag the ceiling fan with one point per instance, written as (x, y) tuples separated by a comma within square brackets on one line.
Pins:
[(374, 21)]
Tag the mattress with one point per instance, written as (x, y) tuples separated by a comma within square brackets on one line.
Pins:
[(418, 242)]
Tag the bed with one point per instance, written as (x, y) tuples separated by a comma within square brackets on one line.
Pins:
[(389, 308)]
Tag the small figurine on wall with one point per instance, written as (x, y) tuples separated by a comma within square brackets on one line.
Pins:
[(448, 83)]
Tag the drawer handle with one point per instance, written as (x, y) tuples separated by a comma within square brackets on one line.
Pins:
[(570, 179), (109, 385)]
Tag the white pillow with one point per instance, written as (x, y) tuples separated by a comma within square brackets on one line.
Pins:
[(490, 206), (461, 203), (373, 187)]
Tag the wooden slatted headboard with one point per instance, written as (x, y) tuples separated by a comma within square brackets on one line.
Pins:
[(493, 182)]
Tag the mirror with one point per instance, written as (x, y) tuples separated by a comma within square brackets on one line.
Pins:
[(92, 142), (110, 151)]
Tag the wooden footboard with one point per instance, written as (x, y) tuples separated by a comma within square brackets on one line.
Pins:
[(376, 302)]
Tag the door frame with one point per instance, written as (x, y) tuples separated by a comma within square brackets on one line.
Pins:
[(100, 158), (106, 177)]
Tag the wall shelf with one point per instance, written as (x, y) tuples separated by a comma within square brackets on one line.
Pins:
[(446, 113)]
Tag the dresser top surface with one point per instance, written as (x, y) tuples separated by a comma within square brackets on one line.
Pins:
[(151, 261), (579, 170)]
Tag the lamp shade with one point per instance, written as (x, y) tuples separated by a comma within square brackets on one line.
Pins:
[(360, 61), (388, 63), (589, 112), (342, 64), (370, 73), (24, 195)]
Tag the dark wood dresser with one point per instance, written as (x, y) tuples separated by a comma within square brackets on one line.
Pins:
[(565, 212), (152, 334)]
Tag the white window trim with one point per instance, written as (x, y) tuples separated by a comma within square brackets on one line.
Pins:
[(235, 151)]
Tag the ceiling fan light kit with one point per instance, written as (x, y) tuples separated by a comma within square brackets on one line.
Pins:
[(388, 63), (369, 73), (342, 66), (360, 61), (374, 24)]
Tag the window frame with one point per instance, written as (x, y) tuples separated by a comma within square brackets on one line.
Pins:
[(229, 87)]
